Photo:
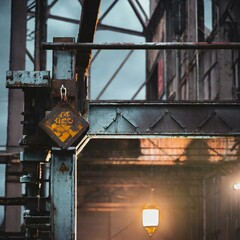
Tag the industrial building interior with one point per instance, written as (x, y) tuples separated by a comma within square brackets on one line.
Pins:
[(163, 119)]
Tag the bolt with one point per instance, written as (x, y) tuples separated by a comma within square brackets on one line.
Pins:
[(46, 77), (9, 78)]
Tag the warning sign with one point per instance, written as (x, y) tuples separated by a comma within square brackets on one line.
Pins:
[(64, 124), (63, 168)]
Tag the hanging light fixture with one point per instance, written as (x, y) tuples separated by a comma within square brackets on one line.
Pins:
[(150, 216), (150, 219)]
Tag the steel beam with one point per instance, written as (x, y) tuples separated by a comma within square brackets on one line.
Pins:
[(88, 23), (63, 194), (40, 34), (155, 17), (21, 79), (87, 29), (141, 46), (158, 119), (15, 201), (15, 102), (17, 62)]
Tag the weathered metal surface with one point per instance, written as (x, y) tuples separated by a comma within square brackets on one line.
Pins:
[(28, 179), (41, 12), (21, 79), (63, 62), (155, 119), (17, 62), (63, 70), (12, 235), (141, 46), (64, 125), (15, 103), (63, 197), (87, 28), (13, 201), (33, 155)]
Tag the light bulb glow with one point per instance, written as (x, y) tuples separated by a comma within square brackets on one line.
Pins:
[(150, 217), (236, 186)]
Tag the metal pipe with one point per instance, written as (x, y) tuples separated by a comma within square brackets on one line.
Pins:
[(140, 46)]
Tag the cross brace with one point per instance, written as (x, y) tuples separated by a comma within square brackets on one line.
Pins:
[(157, 119)]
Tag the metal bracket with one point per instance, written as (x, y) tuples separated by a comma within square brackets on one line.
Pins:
[(26, 79)]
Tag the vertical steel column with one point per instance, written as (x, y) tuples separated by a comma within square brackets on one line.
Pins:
[(63, 194), (17, 62), (15, 102), (40, 34), (63, 169)]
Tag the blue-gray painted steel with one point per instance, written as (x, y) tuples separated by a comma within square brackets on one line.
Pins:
[(63, 65), (148, 119), (63, 194), (21, 79)]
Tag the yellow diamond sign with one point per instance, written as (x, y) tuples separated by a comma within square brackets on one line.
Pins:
[(64, 125)]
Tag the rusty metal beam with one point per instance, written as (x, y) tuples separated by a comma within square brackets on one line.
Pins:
[(141, 46), (40, 34), (87, 29), (88, 24)]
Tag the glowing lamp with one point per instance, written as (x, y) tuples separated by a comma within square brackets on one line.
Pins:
[(150, 219), (236, 186)]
